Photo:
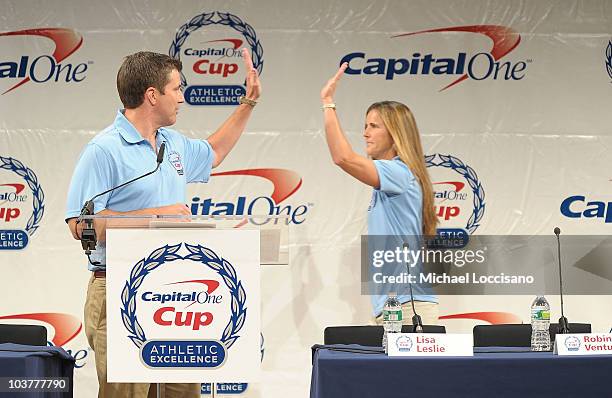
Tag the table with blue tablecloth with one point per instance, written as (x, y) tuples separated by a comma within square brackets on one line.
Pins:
[(36, 362), (354, 371)]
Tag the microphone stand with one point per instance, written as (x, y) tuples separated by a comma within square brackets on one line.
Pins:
[(417, 323), (563, 323), (88, 235)]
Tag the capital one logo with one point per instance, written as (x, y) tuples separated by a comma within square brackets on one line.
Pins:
[(488, 64), (43, 68), (447, 194), (218, 57), (579, 206), (11, 195), (284, 182), (168, 315)]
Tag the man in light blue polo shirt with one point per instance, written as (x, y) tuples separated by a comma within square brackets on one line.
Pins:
[(149, 87)]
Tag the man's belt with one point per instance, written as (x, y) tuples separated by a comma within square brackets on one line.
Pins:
[(99, 274)]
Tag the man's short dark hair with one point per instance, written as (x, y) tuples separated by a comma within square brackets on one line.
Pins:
[(140, 71)]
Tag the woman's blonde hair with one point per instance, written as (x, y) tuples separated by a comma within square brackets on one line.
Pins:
[(399, 122)]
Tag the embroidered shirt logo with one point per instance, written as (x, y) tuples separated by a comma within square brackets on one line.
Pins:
[(175, 159)]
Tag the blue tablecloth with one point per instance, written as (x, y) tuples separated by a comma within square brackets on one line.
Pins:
[(18, 360), (494, 372)]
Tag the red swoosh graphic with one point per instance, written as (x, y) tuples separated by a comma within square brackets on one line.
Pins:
[(67, 41), (494, 318), (210, 284), (235, 42), (285, 182), (457, 184), (504, 40), (66, 326), (18, 187)]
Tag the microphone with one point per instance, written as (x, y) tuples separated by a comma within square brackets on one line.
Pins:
[(88, 236), (563, 324), (160, 154), (417, 323)]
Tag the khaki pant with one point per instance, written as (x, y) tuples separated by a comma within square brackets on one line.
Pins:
[(427, 310), (95, 330)]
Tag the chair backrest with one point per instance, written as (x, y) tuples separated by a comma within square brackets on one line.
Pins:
[(509, 335), (516, 335), (23, 334), (369, 335), (573, 328)]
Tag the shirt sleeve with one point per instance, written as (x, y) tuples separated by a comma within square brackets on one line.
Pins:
[(92, 175), (199, 158), (395, 177)]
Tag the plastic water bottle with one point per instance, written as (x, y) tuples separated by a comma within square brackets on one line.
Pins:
[(392, 317), (540, 322)]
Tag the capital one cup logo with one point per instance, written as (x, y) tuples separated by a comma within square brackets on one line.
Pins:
[(458, 194), (189, 323), (21, 204), (209, 46)]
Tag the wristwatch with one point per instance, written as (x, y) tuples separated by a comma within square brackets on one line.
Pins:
[(245, 100)]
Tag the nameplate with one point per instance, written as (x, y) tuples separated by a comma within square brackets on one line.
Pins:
[(430, 345), (583, 344)]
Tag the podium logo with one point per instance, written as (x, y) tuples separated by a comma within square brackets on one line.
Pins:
[(169, 315), (44, 68), (484, 65), (285, 183), (213, 60), (184, 308), (458, 194), (18, 199)]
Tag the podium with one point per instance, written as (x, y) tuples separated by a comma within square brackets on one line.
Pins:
[(183, 294)]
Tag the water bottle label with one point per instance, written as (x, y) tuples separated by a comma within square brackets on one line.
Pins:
[(392, 315), (540, 315)]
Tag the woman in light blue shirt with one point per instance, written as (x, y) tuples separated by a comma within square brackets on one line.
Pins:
[(402, 206)]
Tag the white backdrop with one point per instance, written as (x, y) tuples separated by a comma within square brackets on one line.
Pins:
[(532, 142)]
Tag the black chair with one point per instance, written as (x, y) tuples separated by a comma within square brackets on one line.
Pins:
[(508, 335), (370, 336), (23, 334), (573, 328), (516, 335)]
